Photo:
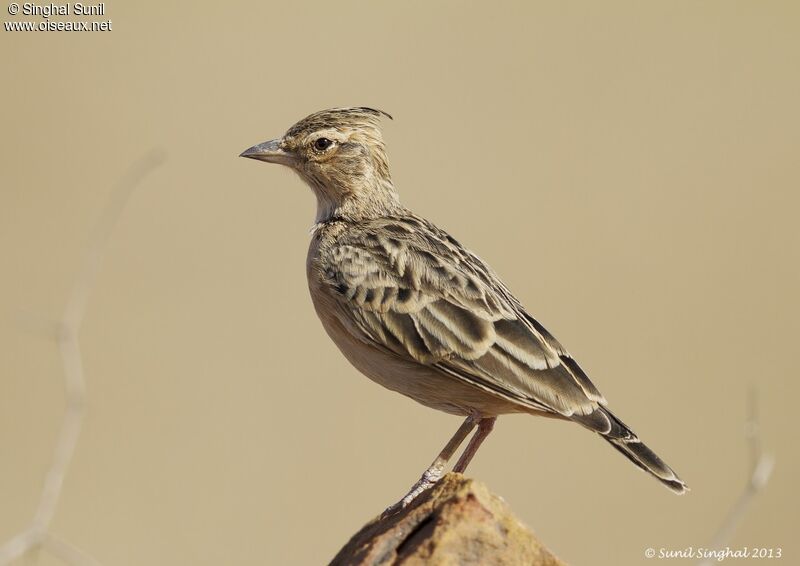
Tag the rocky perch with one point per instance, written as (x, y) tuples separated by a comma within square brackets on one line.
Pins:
[(458, 522)]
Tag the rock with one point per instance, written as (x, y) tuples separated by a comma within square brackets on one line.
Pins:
[(458, 522)]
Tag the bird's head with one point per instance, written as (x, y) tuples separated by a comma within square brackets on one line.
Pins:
[(341, 155)]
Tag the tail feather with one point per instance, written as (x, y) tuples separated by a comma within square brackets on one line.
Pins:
[(622, 438), (638, 453)]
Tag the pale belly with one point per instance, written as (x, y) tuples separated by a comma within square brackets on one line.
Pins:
[(423, 383)]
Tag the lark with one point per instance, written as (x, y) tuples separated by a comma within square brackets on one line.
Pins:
[(420, 314)]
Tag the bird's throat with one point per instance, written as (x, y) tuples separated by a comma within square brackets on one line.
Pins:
[(355, 203)]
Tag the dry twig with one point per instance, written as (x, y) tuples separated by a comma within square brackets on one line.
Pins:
[(761, 466), (66, 332)]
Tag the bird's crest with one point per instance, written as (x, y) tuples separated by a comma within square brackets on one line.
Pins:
[(347, 117)]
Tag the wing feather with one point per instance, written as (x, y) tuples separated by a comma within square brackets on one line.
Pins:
[(413, 289)]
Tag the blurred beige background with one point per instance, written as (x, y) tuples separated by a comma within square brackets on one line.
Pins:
[(630, 169)]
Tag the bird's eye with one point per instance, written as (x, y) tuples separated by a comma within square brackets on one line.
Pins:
[(321, 144)]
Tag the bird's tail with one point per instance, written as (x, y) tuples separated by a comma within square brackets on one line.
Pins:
[(617, 433), (638, 453)]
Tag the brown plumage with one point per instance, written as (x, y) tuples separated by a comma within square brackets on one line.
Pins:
[(420, 314)]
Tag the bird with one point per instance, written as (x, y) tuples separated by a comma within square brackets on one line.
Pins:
[(420, 314)]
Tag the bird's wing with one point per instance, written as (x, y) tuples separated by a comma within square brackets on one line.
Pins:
[(407, 286)]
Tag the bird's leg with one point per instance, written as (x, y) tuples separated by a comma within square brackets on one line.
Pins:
[(435, 470), (485, 426)]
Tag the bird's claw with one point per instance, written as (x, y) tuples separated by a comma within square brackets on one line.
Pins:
[(427, 481)]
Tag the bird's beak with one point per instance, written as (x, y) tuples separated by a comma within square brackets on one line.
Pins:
[(270, 152)]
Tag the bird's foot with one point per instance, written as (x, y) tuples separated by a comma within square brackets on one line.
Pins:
[(427, 481)]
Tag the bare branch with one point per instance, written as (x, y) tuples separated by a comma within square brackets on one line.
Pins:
[(67, 330), (761, 467)]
